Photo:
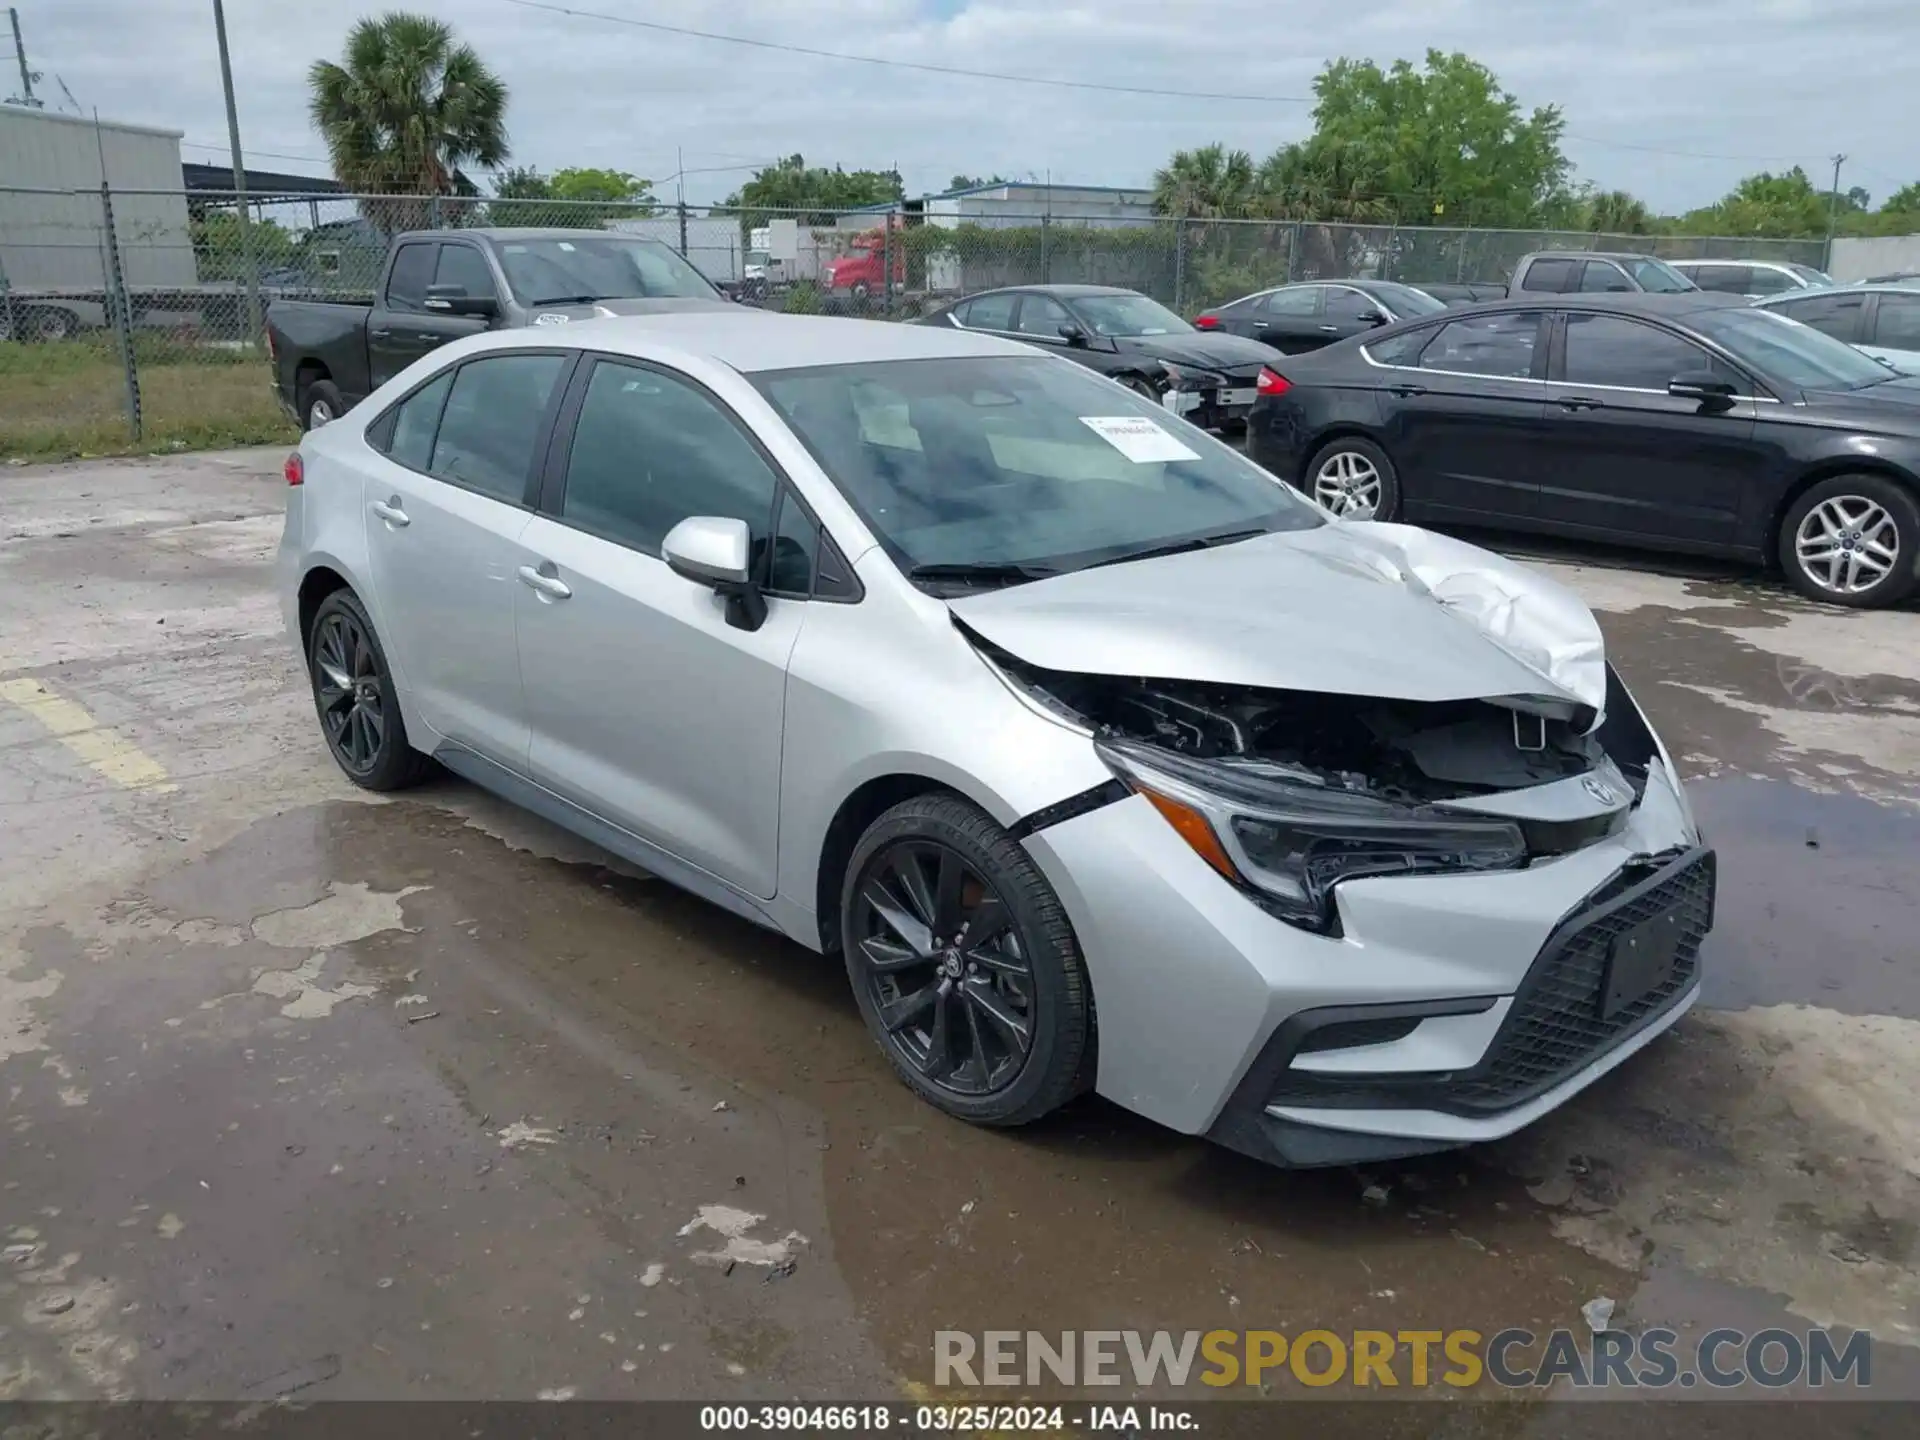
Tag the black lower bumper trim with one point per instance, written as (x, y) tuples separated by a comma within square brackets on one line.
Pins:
[(1087, 800)]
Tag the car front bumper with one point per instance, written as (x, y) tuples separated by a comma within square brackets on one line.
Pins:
[(1450, 1009)]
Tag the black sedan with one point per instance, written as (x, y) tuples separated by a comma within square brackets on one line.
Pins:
[(1316, 313), (1679, 422), (1207, 378)]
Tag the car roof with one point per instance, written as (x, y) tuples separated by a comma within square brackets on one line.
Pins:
[(1068, 292), (1729, 260), (1594, 255), (526, 232), (1850, 287), (1684, 302), (750, 340)]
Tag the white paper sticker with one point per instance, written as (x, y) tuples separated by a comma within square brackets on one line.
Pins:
[(1138, 438), (547, 317)]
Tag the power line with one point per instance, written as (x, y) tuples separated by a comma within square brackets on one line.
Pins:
[(1682, 154), (925, 69)]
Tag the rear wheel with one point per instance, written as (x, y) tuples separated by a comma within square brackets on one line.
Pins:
[(320, 403), (353, 694), (964, 966), (1853, 540), (1354, 479)]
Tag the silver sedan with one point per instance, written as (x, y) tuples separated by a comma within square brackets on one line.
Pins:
[(1103, 760)]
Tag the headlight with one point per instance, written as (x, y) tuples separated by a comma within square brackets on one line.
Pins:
[(1180, 377), (1288, 841)]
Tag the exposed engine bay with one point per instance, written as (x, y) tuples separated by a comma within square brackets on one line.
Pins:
[(1409, 752)]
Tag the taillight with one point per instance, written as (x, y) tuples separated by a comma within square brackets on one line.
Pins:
[(1271, 383), (295, 469), (1206, 322)]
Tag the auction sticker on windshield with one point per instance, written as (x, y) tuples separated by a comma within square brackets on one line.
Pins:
[(1138, 438)]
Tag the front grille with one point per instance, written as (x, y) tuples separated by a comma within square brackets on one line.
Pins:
[(1555, 1026)]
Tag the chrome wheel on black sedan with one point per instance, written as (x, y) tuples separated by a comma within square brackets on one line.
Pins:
[(1352, 477), (963, 964), (1852, 540)]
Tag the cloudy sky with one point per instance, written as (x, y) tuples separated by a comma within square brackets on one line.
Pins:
[(1673, 102)]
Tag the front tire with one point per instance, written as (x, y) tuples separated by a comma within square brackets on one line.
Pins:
[(964, 965), (354, 697), (1353, 477), (1853, 540)]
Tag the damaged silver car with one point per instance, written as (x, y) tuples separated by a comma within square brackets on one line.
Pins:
[(1103, 760)]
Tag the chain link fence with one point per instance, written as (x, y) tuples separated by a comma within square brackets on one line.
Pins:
[(134, 320)]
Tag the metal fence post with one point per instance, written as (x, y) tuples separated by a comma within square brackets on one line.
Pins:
[(681, 207), (118, 312), (886, 263), (1180, 264), (1293, 251), (1046, 249)]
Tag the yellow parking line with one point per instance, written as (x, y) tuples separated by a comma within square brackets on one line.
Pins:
[(113, 756)]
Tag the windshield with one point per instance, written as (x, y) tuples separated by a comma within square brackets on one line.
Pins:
[(1777, 345), (1659, 277), (1408, 300), (1129, 315), (581, 269), (1811, 275), (1014, 462)]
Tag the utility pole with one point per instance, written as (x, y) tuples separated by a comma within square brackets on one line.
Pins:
[(26, 75), (239, 180), (680, 194), (1833, 212)]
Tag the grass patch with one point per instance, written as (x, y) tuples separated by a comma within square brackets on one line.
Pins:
[(62, 400)]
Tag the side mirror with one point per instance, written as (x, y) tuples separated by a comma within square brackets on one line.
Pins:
[(1375, 317), (716, 551), (1073, 334), (454, 300), (1704, 386)]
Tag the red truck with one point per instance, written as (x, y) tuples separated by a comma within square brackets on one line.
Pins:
[(859, 273)]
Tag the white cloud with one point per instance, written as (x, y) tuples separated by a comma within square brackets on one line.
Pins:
[(1783, 81)]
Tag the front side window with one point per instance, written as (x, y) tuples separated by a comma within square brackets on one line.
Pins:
[(1129, 315), (1898, 324), (1765, 280), (1346, 306), (988, 312), (1721, 279), (1795, 353), (1606, 350), (1027, 462), (1657, 277), (650, 450), (1294, 300), (1500, 345), (416, 422), (466, 267), (412, 272), (1042, 317), (1603, 277), (577, 270), (493, 421)]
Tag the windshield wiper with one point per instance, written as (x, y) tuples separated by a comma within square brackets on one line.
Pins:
[(1180, 547), (984, 572), (569, 299)]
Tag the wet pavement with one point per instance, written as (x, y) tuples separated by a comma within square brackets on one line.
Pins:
[(313, 1095)]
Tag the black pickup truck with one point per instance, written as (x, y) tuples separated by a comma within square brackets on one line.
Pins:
[(441, 285)]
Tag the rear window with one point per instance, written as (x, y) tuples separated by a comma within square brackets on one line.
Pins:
[(1548, 275)]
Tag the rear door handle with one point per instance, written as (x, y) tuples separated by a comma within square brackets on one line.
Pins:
[(1331, 329), (1403, 391), (1578, 402), (428, 337), (380, 334), (390, 511), (549, 585)]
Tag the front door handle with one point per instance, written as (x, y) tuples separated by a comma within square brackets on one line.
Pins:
[(546, 581), (428, 337), (1578, 402), (381, 334), (390, 511), (1404, 391), (1331, 329)]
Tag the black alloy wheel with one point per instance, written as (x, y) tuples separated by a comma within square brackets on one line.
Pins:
[(964, 965), (944, 969), (354, 697)]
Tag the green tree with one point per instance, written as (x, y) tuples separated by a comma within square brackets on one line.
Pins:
[(405, 113), (1615, 212), (794, 185), (975, 182), (622, 194), (1782, 206), (1211, 183), (1904, 201), (217, 250)]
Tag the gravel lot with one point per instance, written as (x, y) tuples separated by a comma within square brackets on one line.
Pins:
[(313, 1094)]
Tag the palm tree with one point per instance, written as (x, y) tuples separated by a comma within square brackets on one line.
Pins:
[(1212, 183), (1615, 212), (408, 109)]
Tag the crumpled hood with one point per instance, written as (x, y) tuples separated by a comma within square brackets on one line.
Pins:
[(1353, 608), (1200, 348)]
